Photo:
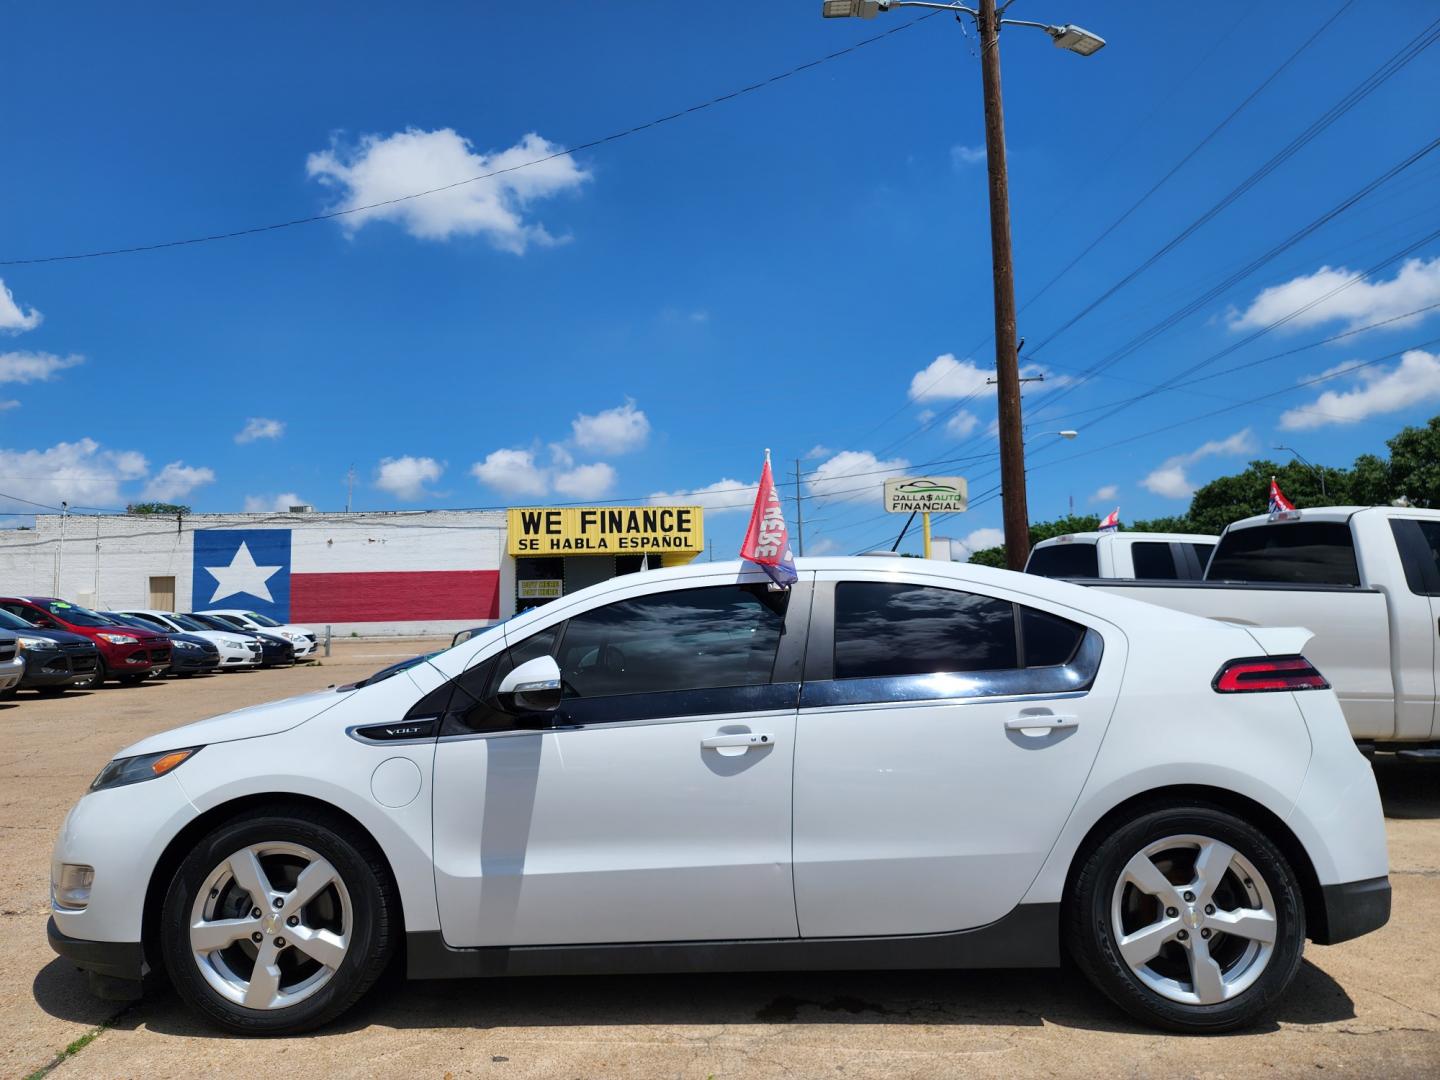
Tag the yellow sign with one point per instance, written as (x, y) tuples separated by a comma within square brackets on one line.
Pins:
[(540, 589), (606, 530)]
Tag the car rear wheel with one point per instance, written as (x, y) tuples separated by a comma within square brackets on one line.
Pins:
[(276, 924), (1188, 918)]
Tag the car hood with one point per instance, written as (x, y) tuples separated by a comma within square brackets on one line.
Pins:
[(268, 719), (60, 637)]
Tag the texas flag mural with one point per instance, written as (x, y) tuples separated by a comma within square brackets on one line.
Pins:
[(313, 576), (767, 540)]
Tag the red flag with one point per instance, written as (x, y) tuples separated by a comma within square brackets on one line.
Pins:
[(767, 540), (1278, 502), (1111, 522)]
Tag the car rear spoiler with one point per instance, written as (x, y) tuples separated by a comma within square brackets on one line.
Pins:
[(1281, 640)]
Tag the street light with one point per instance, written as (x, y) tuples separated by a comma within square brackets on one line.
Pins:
[(1007, 366), (1309, 465)]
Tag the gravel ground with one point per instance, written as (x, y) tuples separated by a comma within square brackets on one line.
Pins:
[(1369, 1007)]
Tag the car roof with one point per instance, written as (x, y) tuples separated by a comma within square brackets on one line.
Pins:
[(1334, 514), (1157, 537)]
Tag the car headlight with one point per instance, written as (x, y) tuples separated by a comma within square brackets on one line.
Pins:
[(132, 770), (234, 643), (289, 636), (185, 645), (24, 642), (119, 639)]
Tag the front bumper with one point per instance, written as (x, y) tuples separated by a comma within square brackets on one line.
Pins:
[(116, 959), (11, 672), (183, 662), (58, 667), (1352, 909)]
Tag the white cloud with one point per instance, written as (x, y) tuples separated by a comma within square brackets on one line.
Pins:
[(13, 318), (961, 424), (1415, 285), (1105, 493), (258, 427), (512, 472), (977, 540), (1172, 481), (391, 167), (560, 456), (1414, 380), (823, 546), (6, 406), (818, 450), (406, 477), (266, 504), (586, 481), (717, 498), (28, 367), (961, 156), (947, 379), (854, 476), (613, 431), (176, 480), (79, 472)]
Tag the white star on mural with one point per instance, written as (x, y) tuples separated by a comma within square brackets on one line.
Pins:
[(242, 576)]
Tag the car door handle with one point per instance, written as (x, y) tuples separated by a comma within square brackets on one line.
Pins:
[(1037, 724), (745, 739)]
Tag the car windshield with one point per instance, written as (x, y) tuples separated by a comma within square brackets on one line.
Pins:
[(385, 672), (186, 622), (117, 619), (14, 622), (261, 620), (74, 614)]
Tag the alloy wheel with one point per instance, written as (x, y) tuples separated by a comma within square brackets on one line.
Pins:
[(1193, 919), (271, 925)]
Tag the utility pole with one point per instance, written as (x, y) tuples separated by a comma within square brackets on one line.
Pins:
[(799, 512), (1016, 513), (60, 548), (349, 487)]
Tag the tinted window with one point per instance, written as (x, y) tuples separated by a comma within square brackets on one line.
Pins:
[(1419, 545), (1153, 561), (884, 629), (260, 620), (1202, 555), (1064, 560), (1306, 553), (1048, 639), (74, 614), (10, 621), (185, 622), (690, 639)]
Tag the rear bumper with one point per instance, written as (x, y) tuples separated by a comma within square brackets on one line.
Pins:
[(117, 959), (1353, 908)]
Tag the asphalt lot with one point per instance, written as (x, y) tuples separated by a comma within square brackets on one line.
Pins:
[(1369, 1007)]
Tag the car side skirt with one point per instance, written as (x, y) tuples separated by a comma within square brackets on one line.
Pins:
[(1028, 937)]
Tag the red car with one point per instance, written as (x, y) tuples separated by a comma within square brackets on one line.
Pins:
[(127, 653)]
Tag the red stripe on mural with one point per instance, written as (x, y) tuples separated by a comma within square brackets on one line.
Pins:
[(407, 596)]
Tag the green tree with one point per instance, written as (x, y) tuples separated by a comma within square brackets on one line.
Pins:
[(164, 508), (1414, 467)]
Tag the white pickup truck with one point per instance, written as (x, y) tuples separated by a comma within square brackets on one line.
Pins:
[(1364, 580), (1149, 556)]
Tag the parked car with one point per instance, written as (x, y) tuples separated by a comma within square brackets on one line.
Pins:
[(12, 664), (190, 653), (298, 636), (273, 650), (54, 659), (892, 764), (127, 654), (1147, 556), (1366, 580), (236, 650)]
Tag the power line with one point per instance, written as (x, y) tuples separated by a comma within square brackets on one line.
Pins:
[(589, 145)]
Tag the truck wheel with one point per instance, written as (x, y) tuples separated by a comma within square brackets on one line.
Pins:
[(1188, 918), (276, 924)]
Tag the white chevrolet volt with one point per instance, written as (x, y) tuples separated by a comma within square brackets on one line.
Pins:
[(892, 764)]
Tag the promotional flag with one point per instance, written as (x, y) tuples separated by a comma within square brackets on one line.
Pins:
[(1279, 504), (1111, 522), (767, 540)]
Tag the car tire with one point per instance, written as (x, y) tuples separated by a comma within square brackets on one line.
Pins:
[(1210, 896), (352, 923), (96, 680)]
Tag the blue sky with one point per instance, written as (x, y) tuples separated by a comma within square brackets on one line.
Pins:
[(790, 269)]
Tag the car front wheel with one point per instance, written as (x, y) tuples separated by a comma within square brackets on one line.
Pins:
[(1188, 918), (276, 924)]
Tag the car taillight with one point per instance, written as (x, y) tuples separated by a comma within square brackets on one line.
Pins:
[(1268, 673)]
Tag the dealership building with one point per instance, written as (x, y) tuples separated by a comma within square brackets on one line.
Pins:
[(424, 572)]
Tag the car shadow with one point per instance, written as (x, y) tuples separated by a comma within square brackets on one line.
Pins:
[(999, 998), (1408, 789)]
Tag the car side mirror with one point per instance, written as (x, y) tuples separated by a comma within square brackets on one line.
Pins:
[(532, 687)]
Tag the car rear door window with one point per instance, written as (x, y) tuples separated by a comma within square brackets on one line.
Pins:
[(1419, 546), (685, 639), (1301, 553), (883, 629), (1202, 555), (1154, 561), (1064, 560)]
